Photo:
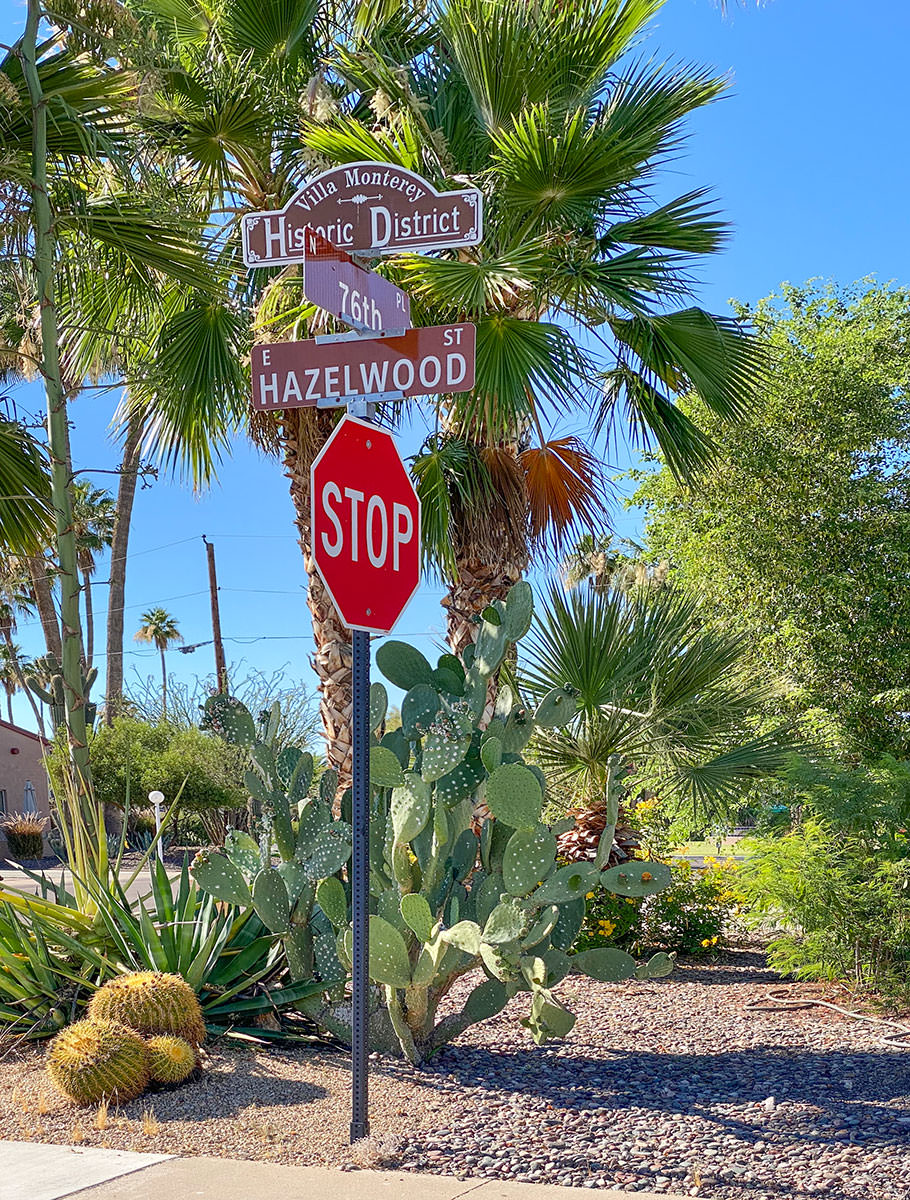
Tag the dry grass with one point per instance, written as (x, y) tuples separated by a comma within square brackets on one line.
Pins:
[(277, 1105)]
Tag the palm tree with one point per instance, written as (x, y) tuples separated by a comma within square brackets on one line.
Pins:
[(159, 628), (93, 515), (600, 563), (541, 106), (538, 104), (12, 670), (94, 228), (657, 689)]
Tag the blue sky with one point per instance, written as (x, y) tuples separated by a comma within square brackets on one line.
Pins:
[(807, 158)]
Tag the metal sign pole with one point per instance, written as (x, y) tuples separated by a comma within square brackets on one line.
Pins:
[(360, 866), (360, 884)]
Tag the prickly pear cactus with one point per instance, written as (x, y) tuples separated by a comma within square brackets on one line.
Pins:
[(450, 897), (298, 829)]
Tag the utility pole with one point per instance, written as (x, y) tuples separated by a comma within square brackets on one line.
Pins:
[(220, 664)]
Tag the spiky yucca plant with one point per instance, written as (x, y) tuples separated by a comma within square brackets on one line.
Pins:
[(151, 1002), (98, 1060)]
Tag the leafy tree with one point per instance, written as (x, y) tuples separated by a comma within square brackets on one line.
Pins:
[(133, 757), (800, 541), (159, 628)]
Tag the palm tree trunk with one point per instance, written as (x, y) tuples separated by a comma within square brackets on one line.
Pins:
[(44, 603), (57, 427), (477, 585), (89, 619), (163, 684), (9, 706), (126, 494), (303, 434)]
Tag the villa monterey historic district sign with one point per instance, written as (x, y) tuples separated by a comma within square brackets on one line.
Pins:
[(367, 208)]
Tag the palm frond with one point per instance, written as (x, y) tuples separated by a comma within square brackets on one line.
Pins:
[(686, 223), (25, 512), (565, 489)]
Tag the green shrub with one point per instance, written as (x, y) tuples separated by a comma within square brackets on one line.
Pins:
[(609, 921), (693, 915)]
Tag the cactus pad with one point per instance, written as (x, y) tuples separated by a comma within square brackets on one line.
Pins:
[(542, 927), (465, 935), (271, 901), (463, 781), (556, 709), (519, 610), (385, 769), (442, 752), (329, 850), (231, 719), (417, 915), (242, 850), (410, 807), (568, 883), (403, 665), (491, 753), (513, 796), (528, 859), (418, 710), (606, 964), (486, 1000), (506, 923), (379, 705), (636, 878), (332, 899), (221, 878), (96, 1060), (389, 961)]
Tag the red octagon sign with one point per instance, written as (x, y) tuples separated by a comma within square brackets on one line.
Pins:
[(366, 526)]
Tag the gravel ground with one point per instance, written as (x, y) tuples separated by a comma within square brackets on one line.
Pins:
[(666, 1086)]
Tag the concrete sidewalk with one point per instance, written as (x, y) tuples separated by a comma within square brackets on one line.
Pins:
[(36, 1171)]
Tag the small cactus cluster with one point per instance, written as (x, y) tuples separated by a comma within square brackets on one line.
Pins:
[(107, 1057), (312, 846), (448, 898)]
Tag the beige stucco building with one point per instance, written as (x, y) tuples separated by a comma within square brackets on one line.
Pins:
[(20, 763)]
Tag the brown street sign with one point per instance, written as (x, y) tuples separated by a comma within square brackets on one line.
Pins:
[(367, 208), (317, 372), (362, 299)]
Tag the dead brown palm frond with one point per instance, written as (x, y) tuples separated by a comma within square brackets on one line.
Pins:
[(565, 488)]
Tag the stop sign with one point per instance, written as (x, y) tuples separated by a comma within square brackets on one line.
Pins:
[(366, 526)]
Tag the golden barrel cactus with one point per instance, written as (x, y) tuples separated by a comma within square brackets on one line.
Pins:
[(152, 1003), (97, 1060), (170, 1059)]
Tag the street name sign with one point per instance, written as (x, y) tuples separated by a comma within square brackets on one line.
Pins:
[(363, 299), (366, 525), (327, 372), (368, 208)]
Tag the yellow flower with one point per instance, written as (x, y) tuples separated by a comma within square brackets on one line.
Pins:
[(706, 942), (589, 896), (630, 900), (606, 927)]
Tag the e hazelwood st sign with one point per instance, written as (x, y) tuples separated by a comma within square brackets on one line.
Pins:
[(317, 372), (367, 208)]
